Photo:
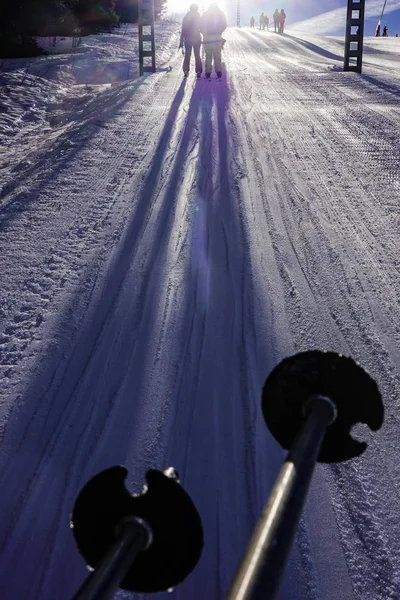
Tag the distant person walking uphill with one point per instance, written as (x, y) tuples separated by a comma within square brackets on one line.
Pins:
[(191, 38), (212, 24)]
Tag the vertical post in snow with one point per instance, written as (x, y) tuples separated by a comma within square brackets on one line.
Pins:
[(354, 41), (146, 20)]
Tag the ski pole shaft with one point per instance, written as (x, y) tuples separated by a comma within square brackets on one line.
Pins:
[(102, 584), (259, 575), (383, 10)]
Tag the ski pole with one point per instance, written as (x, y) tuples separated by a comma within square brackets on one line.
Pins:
[(142, 543), (310, 403), (102, 584)]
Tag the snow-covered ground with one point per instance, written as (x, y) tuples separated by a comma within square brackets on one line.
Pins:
[(41, 96), (166, 242)]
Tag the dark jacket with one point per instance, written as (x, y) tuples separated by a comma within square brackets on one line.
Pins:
[(213, 22), (191, 28)]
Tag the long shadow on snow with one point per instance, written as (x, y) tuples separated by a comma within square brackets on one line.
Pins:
[(38, 436), (61, 153), (388, 88), (286, 36), (313, 47), (209, 431), (122, 261), (367, 49), (214, 433), (74, 409), (61, 400)]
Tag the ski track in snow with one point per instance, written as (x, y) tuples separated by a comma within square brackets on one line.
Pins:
[(169, 244)]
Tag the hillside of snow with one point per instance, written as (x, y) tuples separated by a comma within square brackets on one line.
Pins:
[(165, 243)]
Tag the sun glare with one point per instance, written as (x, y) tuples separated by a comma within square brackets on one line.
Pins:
[(179, 8)]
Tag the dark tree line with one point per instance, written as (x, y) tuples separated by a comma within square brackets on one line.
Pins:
[(22, 20)]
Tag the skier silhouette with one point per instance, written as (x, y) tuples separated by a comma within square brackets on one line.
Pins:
[(276, 18), (282, 19), (191, 38), (212, 24)]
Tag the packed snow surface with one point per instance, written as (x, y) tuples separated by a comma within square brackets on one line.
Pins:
[(164, 244)]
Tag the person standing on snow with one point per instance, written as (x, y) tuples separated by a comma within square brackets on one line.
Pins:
[(262, 21), (191, 38), (276, 18), (385, 31), (282, 19), (267, 22), (212, 24), (252, 21)]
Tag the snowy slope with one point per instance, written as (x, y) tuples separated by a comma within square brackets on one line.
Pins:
[(41, 96), (164, 245)]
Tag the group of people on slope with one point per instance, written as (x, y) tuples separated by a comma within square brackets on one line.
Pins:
[(264, 22), (279, 19), (378, 31), (209, 26)]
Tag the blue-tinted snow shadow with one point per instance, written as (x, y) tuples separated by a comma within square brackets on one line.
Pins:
[(206, 401), (214, 433), (294, 41), (56, 438), (313, 47), (208, 425), (389, 87), (81, 128)]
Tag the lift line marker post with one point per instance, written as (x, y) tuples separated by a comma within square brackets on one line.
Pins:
[(354, 39), (146, 23)]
